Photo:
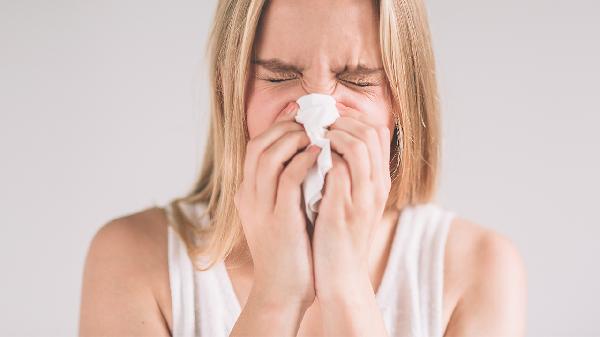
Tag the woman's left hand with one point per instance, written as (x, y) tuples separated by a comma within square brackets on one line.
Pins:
[(355, 194)]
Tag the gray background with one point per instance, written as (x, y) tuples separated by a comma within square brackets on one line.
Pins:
[(103, 109)]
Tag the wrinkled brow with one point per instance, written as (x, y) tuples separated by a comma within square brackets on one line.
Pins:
[(278, 66)]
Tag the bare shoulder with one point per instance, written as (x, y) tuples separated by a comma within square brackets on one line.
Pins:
[(485, 280), (125, 288)]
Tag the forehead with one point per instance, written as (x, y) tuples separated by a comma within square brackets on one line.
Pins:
[(307, 31)]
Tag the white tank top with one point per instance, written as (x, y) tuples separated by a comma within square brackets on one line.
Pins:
[(410, 295)]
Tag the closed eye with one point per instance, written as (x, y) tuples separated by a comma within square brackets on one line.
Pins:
[(358, 84), (277, 80)]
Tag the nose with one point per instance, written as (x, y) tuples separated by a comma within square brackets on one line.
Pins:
[(324, 85)]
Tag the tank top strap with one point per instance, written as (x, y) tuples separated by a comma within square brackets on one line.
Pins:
[(181, 281), (203, 301), (413, 290)]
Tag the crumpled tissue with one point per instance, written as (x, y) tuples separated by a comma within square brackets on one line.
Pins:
[(316, 113)]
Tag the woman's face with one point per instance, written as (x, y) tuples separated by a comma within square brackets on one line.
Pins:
[(315, 46)]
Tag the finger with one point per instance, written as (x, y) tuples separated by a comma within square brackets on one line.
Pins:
[(290, 179), (288, 113), (338, 187), (272, 162), (351, 112), (353, 151), (258, 144), (347, 111), (383, 130), (369, 136)]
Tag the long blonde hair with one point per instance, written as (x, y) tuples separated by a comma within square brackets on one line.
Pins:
[(409, 66)]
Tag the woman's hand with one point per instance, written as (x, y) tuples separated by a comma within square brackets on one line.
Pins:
[(356, 192), (269, 203)]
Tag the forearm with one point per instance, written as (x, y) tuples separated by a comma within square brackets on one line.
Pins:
[(265, 315), (352, 311)]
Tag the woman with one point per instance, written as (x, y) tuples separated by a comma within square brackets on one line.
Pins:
[(383, 259)]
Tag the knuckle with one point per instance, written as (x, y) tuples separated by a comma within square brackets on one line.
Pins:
[(287, 178), (288, 173), (303, 137), (267, 157), (357, 147), (372, 133)]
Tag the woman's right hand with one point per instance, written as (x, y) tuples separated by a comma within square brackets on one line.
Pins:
[(269, 203)]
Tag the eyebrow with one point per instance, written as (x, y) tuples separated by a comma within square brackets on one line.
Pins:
[(279, 66)]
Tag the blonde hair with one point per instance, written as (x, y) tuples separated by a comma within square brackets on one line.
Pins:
[(409, 66)]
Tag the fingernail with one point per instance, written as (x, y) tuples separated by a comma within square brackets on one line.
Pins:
[(291, 108), (284, 112), (286, 108), (314, 148)]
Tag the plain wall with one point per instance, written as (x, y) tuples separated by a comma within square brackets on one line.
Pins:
[(103, 112)]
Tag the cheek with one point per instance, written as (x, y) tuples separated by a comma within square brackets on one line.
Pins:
[(260, 113), (263, 104)]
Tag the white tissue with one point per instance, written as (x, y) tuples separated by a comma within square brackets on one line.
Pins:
[(316, 112)]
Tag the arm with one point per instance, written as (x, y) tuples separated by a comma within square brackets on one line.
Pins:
[(117, 292), (494, 303), (265, 315), (352, 312)]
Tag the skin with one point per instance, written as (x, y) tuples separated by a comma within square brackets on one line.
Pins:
[(126, 287)]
